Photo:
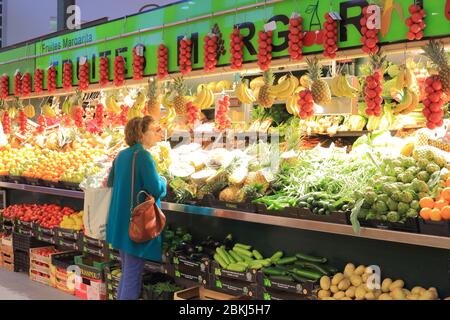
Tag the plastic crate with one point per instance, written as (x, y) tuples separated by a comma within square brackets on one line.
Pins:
[(44, 231), (69, 244), (101, 252), (338, 217), (233, 287), (25, 231), (271, 294), (90, 267), (68, 234), (90, 289), (21, 261), (201, 293), (46, 238), (306, 288), (410, 225), (248, 276), (24, 243), (94, 242), (109, 276), (64, 260), (286, 212), (436, 228)]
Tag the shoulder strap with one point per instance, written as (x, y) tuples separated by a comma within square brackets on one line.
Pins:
[(132, 179)]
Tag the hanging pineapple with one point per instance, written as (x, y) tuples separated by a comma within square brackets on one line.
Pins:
[(265, 99), (319, 87), (154, 99), (436, 53), (179, 101)]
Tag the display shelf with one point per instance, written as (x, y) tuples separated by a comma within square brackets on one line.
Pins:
[(368, 233)]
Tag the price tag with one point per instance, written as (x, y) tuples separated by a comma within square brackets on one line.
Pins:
[(335, 16), (271, 26), (295, 15), (140, 50), (83, 60)]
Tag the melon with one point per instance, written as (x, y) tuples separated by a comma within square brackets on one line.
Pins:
[(181, 170), (201, 176), (238, 176)]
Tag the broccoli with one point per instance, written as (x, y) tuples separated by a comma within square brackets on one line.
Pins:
[(393, 216)]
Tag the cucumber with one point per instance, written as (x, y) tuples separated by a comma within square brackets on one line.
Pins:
[(257, 255), (247, 259), (265, 262), (230, 257), (273, 272), (308, 274), (236, 267), (255, 265), (245, 264), (243, 246), (287, 260), (281, 278), (309, 258), (235, 256), (276, 256), (313, 266), (223, 255), (297, 278), (220, 261), (243, 252)]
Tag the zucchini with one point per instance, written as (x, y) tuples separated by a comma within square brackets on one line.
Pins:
[(309, 258), (308, 274), (281, 278), (257, 255), (299, 279), (243, 246), (220, 261), (287, 260), (313, 266), (243, 252), (235, 256), (265, 262), (236, 267), (303, 204), (273, 272), (276, 256), (223, 255), (255, 265)]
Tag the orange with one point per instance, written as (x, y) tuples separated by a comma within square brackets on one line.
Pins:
[(440, 204), (445, 213), (446, 193), (425, 213), (427, 202), (435, 215)]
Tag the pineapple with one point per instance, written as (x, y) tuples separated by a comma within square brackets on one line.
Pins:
[(265, 99), (319, 88), (180, 101), (436, 53), (154, 99)]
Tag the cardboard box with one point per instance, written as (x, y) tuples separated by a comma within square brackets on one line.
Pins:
[(201, 293)]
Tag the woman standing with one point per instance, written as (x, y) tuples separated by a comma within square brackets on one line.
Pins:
[(140, 134)]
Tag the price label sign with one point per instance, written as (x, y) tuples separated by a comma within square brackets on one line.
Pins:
[(271, 26)]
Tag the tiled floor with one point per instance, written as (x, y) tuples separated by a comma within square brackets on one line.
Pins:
[(18, 286)]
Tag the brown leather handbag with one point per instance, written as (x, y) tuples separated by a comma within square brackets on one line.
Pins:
[(147, 221)]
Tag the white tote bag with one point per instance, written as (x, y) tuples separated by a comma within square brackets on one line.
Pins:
[(96, 209)]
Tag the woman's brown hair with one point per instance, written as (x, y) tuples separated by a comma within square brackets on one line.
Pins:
[(135, 129)]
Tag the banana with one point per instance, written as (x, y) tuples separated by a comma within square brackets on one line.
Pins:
[(111, 105), (305, 81), (410, 78), (212, 86), (200, 99), (281, 88), (335, 87), (134, 113), (346, 89), (209, 99), (291, 105), (400, 84), (166, 102), (139, 103), (414, 102), (48, 111), (405, 104), (244, 94), (223, 85), (257, 83)]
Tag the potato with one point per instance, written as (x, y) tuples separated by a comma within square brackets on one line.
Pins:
[(397, 294), (349, 269), (337, 278), (417, 290), (377, 293), (385, 296), (334, 289), (360, 292), (360, 270), (434, 291), (413, 297), (346, 298), (406, 292), (350, 292), (369, 296), (329, 298), (427, 295), (325, 283), (365, 277), (396, 284), (356, 280), (344, 285), (324, 294), (339, 295), (386, 284)]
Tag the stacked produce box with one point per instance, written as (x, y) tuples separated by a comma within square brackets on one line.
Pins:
[(90, 284), (63, 271), (7, 253), (113, 274), (40, 264)]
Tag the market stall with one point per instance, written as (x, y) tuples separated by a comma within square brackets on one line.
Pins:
[(306, 149)]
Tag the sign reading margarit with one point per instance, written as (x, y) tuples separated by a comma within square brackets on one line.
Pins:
[(65, 42)]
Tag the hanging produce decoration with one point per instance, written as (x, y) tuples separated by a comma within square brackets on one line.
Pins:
[(193, 114), (223, 122), (39, 80), (435, 51), (138, 62), (26, 84), (370, 27), (237, 49), (210, 52), (119, 71), (433, 102), (17, 84), (78, 116), (83, 74), (306, 103), (415, 22), (42, 124), (51, 79), (100, 115), (6, 122), (296, 37), (104, 71), (4, 82), (373, 86), (264, 50), (163, 61), (67, 81), (124, 114), (185, 55), (23, 120), (330, 43)]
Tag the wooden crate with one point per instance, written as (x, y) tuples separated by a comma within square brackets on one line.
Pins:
[(9, 266), (44, 269), (34, 255), (201, 293), (39, 278)]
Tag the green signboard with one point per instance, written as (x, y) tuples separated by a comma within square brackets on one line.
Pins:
[(26, 65), (169, 24)]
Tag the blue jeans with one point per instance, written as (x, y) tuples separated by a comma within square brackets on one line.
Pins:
[(131, 281)]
